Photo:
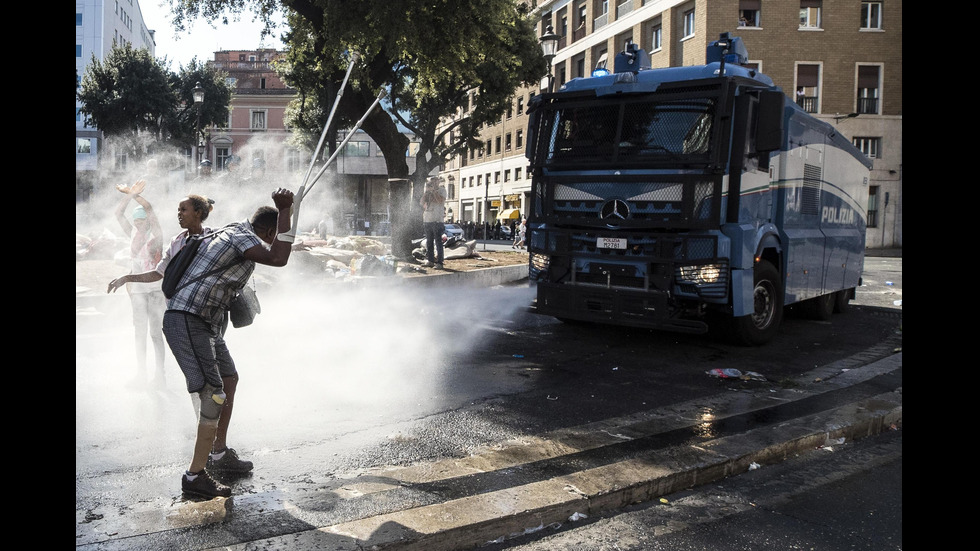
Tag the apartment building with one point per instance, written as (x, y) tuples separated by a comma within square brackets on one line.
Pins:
[(839, 59), (99, 25)]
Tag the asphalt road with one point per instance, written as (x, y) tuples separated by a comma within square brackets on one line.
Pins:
[(337, 385)]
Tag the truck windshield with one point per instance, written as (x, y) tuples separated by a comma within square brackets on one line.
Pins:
[(641, 131)]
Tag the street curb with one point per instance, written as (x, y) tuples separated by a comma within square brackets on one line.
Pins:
[(496, 516)]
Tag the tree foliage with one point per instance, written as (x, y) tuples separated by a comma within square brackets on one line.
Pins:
[(127, 92), (130, 93), (428, 55)]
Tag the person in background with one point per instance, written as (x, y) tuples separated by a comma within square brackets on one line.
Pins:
[(513, 234), (521, 233), (147, 300), (433, 216)]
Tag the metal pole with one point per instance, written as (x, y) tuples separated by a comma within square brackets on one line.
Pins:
[(303, 190), (333, 110)]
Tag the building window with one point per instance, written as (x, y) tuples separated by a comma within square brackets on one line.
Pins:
[(258, 120), (580, 66), (497, 144), (361, 149), (83, 145), (873, 206), (262, 83), (520, 105), (656, 38), (78, 50), (868, 79), (471, 181), (688, 24), (869, 146), (78, 19), (120, 159), (871, 15), (489, 148), (496, 177), (479, 180), (292, 160), (520, 139), (507, 144), (749, 13), (506, 175), (517, 173), (810, 14), (807, 87)]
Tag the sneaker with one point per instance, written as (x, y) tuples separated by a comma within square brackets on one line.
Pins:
[(204, 486), (438, 265), (426, 264), (229, 463)]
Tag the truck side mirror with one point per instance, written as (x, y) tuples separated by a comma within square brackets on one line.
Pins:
[(769, 124)]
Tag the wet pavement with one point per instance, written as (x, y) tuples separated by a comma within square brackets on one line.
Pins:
[(509, 488)]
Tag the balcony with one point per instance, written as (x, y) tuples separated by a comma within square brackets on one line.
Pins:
[(808, 103), (579, 33), (600, 22), (868, 106), (623, 8)]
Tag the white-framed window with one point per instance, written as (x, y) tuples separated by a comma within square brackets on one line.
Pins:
[(83, 145), (517, 173), (870, 15), (810, 14), (120, 159), (749, 13), (656, 38), (258, 119), (870, 146), (292, 159), (868, 88), (688, 24)]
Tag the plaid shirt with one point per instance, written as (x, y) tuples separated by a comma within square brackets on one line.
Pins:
[(209, 297)]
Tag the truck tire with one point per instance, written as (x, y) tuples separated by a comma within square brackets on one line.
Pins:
[(761, 327), (820, 308), (841, 298)]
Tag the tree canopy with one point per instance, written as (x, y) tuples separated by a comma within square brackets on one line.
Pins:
[(130, 93), (428, 55)]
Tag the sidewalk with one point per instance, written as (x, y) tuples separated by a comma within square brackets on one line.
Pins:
[(519, 487)]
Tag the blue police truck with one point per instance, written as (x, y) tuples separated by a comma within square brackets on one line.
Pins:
[(685, 198)]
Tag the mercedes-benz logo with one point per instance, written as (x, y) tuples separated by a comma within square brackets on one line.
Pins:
[(614, 210)]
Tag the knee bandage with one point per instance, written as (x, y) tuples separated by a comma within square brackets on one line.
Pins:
[(212, 400)]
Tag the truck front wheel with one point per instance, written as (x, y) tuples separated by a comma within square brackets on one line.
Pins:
[(761, 326)]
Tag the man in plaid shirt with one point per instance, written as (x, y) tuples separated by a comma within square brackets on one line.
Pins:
[(195, 322)]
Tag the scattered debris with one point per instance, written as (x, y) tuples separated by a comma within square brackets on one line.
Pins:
[(577, 516), (753, 466), (726, 373)]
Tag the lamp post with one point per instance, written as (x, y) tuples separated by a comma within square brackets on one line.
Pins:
[(549, 48), (198, 102)]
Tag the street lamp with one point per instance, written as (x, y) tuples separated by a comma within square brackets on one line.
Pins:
[(199, 102), (549, 48), (838, 117)]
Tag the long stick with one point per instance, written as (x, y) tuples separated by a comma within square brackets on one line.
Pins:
[(323, 136), (350, 135), (303, 190)]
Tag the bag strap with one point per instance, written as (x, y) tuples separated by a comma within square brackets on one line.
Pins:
[(212, 271)]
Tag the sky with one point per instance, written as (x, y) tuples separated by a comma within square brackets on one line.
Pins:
[(200, 38)]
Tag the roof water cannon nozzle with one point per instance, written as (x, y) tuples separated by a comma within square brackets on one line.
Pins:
[(727, 49), (633, 59)]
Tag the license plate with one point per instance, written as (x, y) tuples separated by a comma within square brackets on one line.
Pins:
[(611, 243)]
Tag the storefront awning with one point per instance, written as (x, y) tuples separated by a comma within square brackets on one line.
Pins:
[(510, 214)]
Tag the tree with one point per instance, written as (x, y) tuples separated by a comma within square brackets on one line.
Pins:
[(428, 55), (126, 93), (129, 94)]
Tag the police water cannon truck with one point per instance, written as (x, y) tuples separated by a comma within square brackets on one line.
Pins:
[(685, 198)]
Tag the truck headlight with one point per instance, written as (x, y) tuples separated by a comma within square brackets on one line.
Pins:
[(699, 275)]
